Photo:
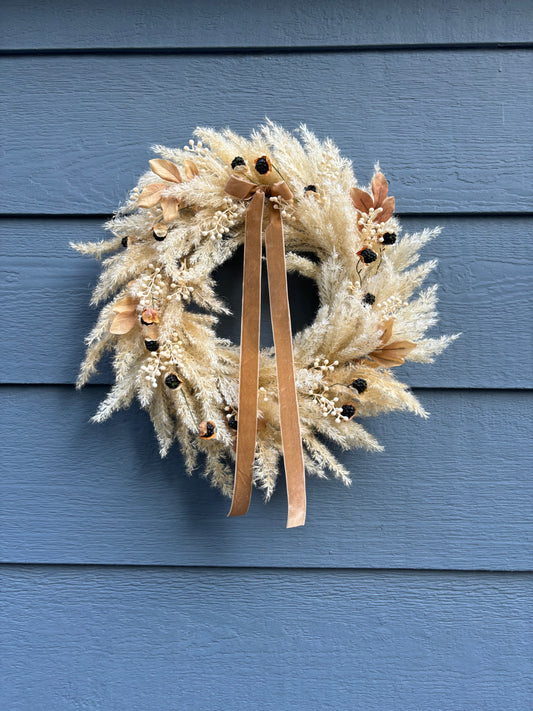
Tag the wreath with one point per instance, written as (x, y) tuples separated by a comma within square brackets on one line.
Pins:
[(244, 407)]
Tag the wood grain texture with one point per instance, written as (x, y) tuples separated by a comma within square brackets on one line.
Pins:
[(311, 23), (451, 129), (453, 491), (485, 294), (121, 639)]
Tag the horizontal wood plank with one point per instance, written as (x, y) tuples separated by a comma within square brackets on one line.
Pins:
[(485, 294), (29, 24), (451, 129), (450, 492), (247, 639)]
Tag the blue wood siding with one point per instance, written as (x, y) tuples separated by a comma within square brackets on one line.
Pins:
[(124, 586)]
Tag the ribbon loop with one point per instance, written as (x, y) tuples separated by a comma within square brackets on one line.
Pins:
[(249, 361)]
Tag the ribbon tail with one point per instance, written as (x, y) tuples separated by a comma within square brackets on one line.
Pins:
[(249, 363), (288, 402)]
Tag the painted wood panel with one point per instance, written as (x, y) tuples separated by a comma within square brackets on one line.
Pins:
[(137, 638), (485, 294), (299, 23), (451, 129), (453, 491)]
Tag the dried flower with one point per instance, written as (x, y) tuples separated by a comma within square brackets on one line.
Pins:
[(364, 203), (149, 316)]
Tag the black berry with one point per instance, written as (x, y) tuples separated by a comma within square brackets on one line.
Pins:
[(262, 165), (360, 385), (232, 422), (172, 381), (151, 345), (238, 160), (389, 238), (310, 189), (348, 411), (124, 242), (368, 255), (369, 299)]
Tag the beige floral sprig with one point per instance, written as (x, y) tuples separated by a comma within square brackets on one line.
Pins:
[(391, 353), (154, 193), (378, 201)]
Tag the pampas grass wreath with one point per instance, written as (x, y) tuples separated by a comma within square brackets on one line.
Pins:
[(179, 224)]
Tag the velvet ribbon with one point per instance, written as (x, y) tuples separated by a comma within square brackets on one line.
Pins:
[(249, 363)]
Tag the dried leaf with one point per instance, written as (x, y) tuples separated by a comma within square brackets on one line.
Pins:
[(151, 195), (171, 208), (165, 169), (123, 323), (126, 305), (388, 209), (190, 168), (393, 353), (361, 200), (380, 189), (387, 330)]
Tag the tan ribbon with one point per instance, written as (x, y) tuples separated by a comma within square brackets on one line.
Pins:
[(249, 367)]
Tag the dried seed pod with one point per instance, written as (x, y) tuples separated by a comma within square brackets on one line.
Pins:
[(367, 255), (207, 429), (263, 165), (151, 345), (232, 421), (360, 385), (310, 189), (238, 163), (388, 238), (160, 231), (348, 411), (172, 381), (124, 242)]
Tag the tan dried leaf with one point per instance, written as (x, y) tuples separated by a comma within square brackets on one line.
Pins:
[(165, 169), (380, 188), (171, 208), (151, 195), (190, 168), (388, 209), (123, 323), (387, 330), (126, 305), (361, 201), (393, 353)]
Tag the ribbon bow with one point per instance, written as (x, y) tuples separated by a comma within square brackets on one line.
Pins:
[(249, 364)]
